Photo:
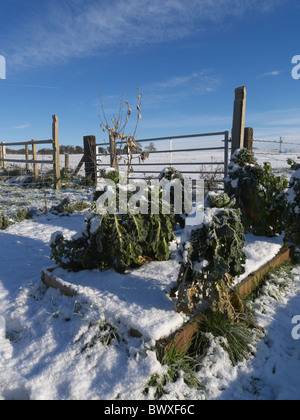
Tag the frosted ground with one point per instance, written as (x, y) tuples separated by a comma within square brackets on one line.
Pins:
[(56, 348)]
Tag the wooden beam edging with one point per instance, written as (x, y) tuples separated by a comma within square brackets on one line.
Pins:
[(50, 280), (249, 284), (181, 338)]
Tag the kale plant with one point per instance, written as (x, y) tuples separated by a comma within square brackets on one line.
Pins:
[(258, 192), (292, 213), (115, 240), (212, 255)]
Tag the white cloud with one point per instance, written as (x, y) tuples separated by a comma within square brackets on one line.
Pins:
[(77, 28), (275, 123), (21, 127), (177, 88), (270, 74), (185, 121)]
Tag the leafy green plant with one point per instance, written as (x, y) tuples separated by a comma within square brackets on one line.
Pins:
[(212, 255), (258, 192), (291, 214), (5, 222), (102, 332), (293, 164), (116, 241), (119, 241), (23, 214), (65, 206), (173, 179), (178, 365), (218, 201), (238, 337)]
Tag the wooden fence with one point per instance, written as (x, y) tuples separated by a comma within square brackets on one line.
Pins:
[(35, 161)]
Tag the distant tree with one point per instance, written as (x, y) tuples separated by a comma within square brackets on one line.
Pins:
[(150, 148), (78, 150), (45, 151)]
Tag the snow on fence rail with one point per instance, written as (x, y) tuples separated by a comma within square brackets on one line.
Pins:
[(55, 162)]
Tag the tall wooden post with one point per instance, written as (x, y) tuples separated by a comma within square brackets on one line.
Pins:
[(27, 156), (35, 165), (56, 163), (113, 151), (89, 143), (3, 155), (238, 125)]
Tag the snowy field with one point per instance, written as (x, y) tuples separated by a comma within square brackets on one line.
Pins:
[(53, 349), (61, 348), (200, 161)]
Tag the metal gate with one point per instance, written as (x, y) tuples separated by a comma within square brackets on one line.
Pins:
[(197, 155), (192, 155)]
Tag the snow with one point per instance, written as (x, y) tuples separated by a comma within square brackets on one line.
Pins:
[(136, 300), (52, 347), (259, 250), (44, 354)]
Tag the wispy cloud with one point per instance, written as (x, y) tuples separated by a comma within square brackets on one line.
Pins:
[(195, 78), (270, 74), (184, 122), (275, 123), (21, 127), (178, 87), (80, 28), (32, 86)]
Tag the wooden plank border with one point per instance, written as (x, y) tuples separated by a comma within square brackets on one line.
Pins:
[(183, 336), (252, 281), (50, 280)]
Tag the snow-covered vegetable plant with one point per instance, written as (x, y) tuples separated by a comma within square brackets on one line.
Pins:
[(5, 222), (258, 192), (118, 241), (292, 212), (172, 176), (115, 241), (212, 255)]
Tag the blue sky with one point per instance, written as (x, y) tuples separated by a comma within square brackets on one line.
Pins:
[(187, 57)]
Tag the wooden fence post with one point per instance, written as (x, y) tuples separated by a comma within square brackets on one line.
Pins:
[(113, 151), (27, 156), (238, 126), (248, 140), (89, 143), (56, 163), (67, 161), (35, 165), (3, 155)]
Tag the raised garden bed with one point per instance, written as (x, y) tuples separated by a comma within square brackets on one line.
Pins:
[(139, 300), (182, 337)]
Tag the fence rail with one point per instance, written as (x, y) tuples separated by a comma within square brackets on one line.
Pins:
[(150, 168), (155, 139), (35, 161), (24, 143)]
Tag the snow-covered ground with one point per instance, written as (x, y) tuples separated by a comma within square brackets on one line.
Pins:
[(53, 348), (202, 159), (56, 347)]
